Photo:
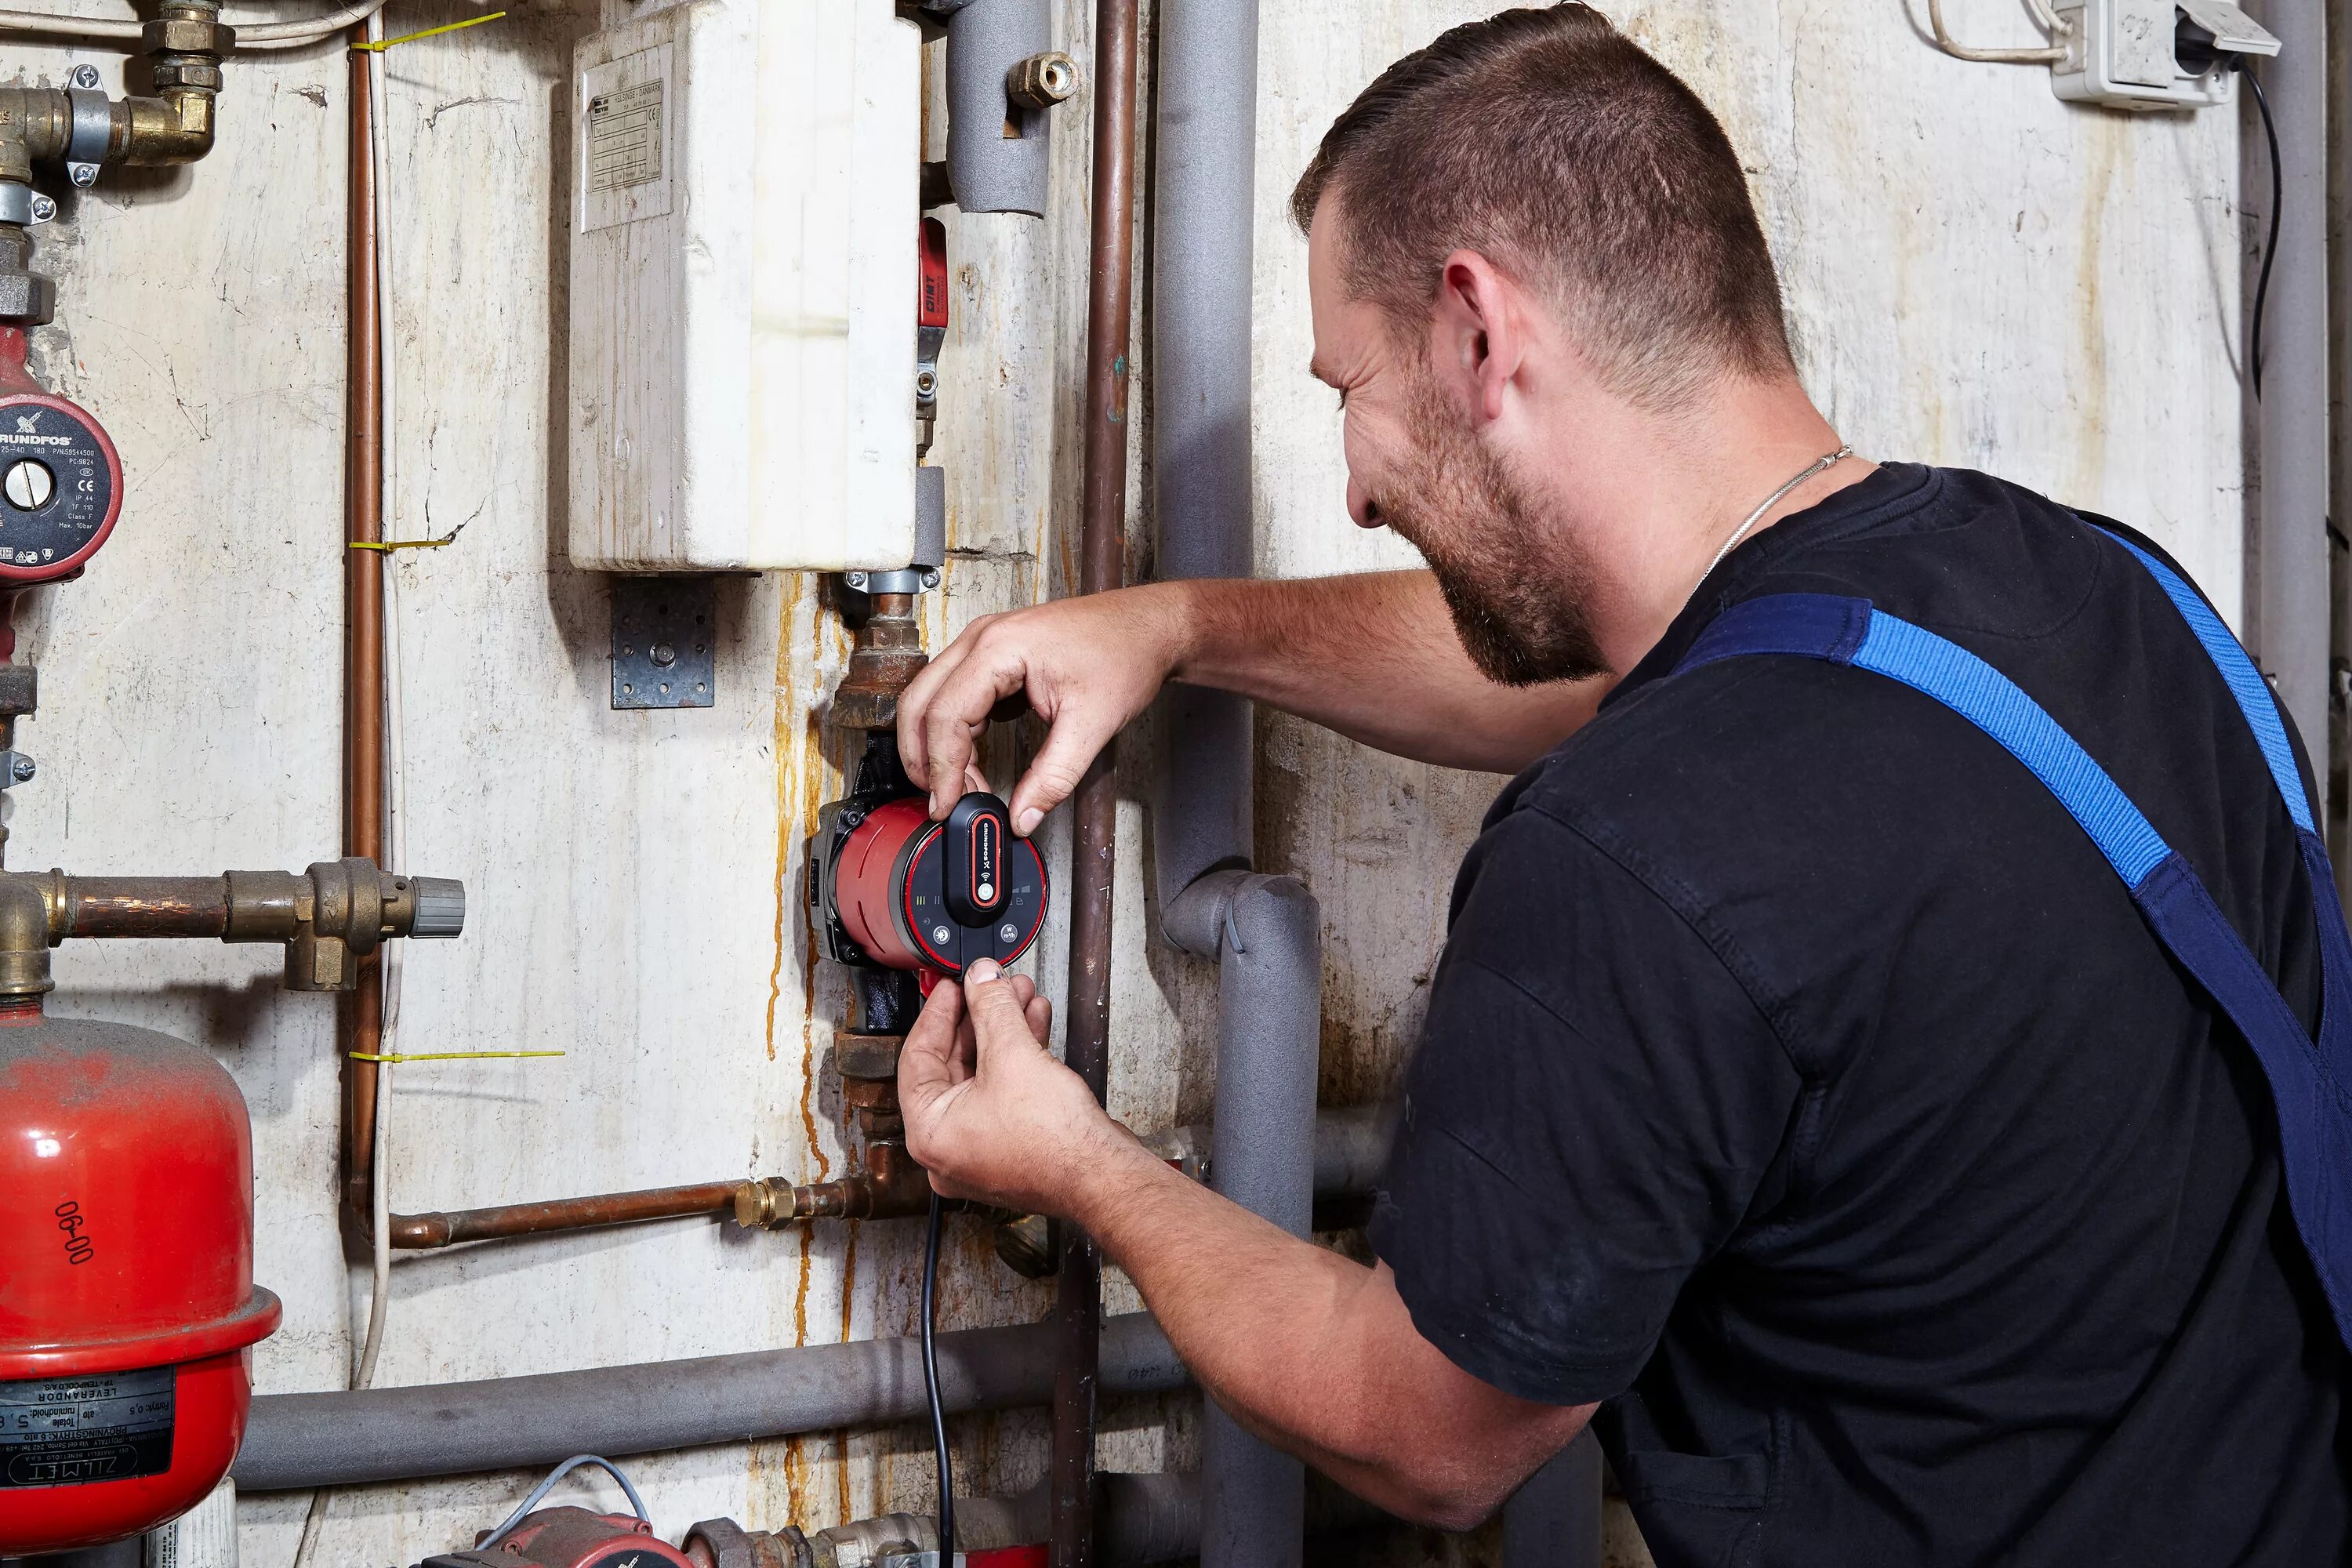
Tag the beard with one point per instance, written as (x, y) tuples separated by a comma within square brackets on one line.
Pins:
[(1520, 591)]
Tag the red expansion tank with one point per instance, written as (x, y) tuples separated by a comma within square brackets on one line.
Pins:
[(127, 1301)]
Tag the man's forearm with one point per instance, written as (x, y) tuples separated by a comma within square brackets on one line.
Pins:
[(1313, 1352), (1375, 657)]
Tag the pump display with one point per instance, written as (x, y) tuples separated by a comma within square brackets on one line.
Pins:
[(60, 479)]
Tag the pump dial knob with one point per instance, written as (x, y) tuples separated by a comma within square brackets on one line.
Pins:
[(28, 484)]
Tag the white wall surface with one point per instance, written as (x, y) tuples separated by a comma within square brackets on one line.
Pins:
[(1977, 274)]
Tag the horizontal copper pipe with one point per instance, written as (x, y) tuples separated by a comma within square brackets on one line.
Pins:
[(422, 1231), (145, 906)]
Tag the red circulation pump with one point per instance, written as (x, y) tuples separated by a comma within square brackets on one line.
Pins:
[(60, 477), (127, 1301)]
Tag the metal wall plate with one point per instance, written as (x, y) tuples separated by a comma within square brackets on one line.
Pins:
[(665, 642)]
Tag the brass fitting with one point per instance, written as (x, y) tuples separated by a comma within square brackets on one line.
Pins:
[(1042, 80), (23, 939), (335, 915), (892, 1188), (175, 128), (886, 655)]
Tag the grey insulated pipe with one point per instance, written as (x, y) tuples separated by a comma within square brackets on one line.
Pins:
[(1265, 931), (2291, 592), (996, 148), (1202, 224), (303, 1440)]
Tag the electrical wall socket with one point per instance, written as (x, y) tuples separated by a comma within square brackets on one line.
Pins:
[(2120, 53)]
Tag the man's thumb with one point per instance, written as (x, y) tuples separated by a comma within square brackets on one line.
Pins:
[(996, 1017)]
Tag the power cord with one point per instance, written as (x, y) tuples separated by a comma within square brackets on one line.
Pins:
[(931, 1387), (2195, 48), (2270, 246), (539, 1494)]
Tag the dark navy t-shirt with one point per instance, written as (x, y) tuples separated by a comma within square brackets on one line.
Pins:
[(1800, 1081)]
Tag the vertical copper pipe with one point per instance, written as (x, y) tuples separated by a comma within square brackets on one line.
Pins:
[(359, 1020), (1094, 852)]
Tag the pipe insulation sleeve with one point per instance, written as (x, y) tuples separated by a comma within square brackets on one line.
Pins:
[(297, 1440), (1268, 934), (2291, 592), (1203, 225), (996, 148)]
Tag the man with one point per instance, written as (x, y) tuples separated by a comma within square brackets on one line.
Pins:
[(1800, 1090)]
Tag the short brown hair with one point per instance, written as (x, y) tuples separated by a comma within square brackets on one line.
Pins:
[(1549, 142)]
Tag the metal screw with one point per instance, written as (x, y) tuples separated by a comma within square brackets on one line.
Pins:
[(85, 76), (927, 382), (664, 655), (44, 209), (22, 768), (930, 576), (855, 579), (83, 174)]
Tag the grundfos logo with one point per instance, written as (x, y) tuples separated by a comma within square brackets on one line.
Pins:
[(28, 433)]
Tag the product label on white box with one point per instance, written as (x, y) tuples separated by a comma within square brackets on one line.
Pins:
[(626, 107), (70, 1431), (624, 137)]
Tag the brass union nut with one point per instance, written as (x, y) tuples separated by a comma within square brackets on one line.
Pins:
[(1043, 80), (180, 35), (183, 71)]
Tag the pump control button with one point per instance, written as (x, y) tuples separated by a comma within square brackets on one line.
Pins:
[(28, 484)]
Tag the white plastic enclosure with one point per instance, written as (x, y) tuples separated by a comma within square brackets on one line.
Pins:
[(743, 287)]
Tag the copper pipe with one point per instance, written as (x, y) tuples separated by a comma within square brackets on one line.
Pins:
[(420, 1232), (140, 906), (358, 1023), (1077, 1303)]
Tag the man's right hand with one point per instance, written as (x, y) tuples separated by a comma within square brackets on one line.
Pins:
[(1086, 666)]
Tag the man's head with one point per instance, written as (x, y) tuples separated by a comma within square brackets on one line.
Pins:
[(1529, 241)]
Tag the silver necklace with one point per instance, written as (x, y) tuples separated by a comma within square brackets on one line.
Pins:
[(1818, 465)]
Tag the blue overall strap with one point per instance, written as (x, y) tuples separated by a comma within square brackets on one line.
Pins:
[(2307, 1080)]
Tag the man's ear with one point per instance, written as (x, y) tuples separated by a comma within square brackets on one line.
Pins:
[(1479, 336)]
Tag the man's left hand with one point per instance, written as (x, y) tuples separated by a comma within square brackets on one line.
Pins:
[(990, 1114)]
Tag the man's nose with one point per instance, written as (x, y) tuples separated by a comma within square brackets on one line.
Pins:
[(1361, 506)]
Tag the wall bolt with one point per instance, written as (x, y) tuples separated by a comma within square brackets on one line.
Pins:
[(85, 77), (21, 769), (44, 209)]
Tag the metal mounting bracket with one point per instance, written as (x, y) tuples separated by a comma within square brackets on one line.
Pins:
[(665, 647)]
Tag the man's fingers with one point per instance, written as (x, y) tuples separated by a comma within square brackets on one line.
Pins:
[(996, 1007), (930, 1064), (1040, 1015), (916, 699), (1071, 745), (956, 711)]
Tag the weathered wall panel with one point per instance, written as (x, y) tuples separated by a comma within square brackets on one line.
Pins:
[(1976, 274)]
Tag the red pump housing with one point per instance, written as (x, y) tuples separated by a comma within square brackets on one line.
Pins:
[(60, 476), (891, 881), (127, 1301)]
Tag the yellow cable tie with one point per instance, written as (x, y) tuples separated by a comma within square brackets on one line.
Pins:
[(388, 545), (383, 44), (447, 1055)]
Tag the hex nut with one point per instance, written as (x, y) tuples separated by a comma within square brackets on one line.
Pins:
[(27, 297), (175, 35), (186, 70), (1042, 80)]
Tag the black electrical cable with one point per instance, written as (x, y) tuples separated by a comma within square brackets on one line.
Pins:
[(931, 1387), (2270, 246)]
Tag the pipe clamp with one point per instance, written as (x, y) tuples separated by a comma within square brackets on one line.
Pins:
[(93, 126)]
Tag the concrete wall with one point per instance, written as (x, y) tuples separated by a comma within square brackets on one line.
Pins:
[(1977, 274)]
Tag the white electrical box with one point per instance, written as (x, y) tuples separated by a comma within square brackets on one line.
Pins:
[(744, 240), (2124, 53)]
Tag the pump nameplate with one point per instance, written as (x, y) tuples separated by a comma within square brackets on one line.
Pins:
[(60, 486), (73, 1431)]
